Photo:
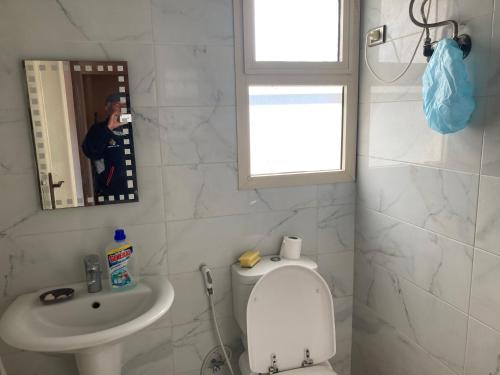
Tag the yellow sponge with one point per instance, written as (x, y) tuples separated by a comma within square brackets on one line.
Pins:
[(250, 258)]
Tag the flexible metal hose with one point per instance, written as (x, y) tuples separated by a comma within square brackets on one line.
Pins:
[(427, 25)]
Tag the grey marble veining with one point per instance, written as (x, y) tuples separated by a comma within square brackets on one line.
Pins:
[(219, 241), (336, 269), (192, 341), (193, 21), (434, 325), (488, 215), (438, 200), (425, 258), (485, 301), (380, 349), (25, 216), (193, 306), (149, 352), (195, 75), (335, 228), (209, 190), (343, 329), (33, 261), (77, 21), (336, 194), (16, 155), (146, 136), (198, 135)]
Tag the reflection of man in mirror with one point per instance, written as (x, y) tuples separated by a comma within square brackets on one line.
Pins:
[(103, 144)]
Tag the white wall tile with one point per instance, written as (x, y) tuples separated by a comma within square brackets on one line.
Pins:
[(399, 131), (483, 349), (434, 325), (197, 75), (343, 330), (141, 70), (388, 60), (27, 218), (336, 228), (219, 241), (337, 270), (193, 21), (488, 215), (191, 301), (425, 258), (491, 155), (38, 261), (16, 147), (198, 135), (485, 301), (77, 21), (335, 194), (146, 136), (494, 70), (192, 341), (208, 190), (438, 200), (149, 352), (420, 223), (380, 349)]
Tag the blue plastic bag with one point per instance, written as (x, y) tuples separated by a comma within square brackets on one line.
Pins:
[(448, 93)]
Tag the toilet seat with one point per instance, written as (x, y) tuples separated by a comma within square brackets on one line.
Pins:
[(290, 311)]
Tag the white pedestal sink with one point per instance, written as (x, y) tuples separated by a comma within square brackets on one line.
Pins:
[(91, 326)]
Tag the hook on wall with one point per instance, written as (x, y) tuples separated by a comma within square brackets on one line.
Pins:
[(464, 41)]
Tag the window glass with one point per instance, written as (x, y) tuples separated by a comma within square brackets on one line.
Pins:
[(296, 30), (295, 129)]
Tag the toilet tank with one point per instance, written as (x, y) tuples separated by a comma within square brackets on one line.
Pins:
[(243, 280)]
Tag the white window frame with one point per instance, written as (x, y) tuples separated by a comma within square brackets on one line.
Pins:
[(343, 73)]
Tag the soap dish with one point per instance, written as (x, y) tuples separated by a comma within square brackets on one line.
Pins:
[(57, 296)]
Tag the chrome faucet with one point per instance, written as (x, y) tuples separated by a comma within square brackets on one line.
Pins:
[(93, 273)]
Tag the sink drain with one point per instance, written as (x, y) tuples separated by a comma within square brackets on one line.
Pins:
[(96, 305)]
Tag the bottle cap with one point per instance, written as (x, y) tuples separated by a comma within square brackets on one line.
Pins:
[(120, 235)]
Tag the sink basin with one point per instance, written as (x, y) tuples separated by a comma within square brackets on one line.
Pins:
[(89, 325)]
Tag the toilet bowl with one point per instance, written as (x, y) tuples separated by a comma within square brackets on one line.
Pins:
[(285, 311)]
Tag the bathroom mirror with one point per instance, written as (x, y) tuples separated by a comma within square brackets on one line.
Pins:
[(82, 131)]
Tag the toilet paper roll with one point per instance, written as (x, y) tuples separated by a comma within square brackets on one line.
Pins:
[(291, 247)]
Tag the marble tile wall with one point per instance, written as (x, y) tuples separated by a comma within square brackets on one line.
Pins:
[(180, 55), (427, 258)]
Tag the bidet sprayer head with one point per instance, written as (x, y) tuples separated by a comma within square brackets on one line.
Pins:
[(207, 278)]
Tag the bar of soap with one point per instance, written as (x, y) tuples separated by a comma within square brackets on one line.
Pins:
[(249, 258)]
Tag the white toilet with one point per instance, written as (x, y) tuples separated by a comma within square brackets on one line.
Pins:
[(285, 311)]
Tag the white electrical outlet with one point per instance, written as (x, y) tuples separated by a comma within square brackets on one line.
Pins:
[(376, 36)]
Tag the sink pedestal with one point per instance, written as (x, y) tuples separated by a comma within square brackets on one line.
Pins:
[(100, 360)]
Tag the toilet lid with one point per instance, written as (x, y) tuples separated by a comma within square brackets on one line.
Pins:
[(289, 311)]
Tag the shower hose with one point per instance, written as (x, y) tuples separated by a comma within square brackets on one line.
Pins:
[(207, 279), (403, 72)]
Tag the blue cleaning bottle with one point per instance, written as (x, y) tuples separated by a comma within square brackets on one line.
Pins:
[(120, 261)]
